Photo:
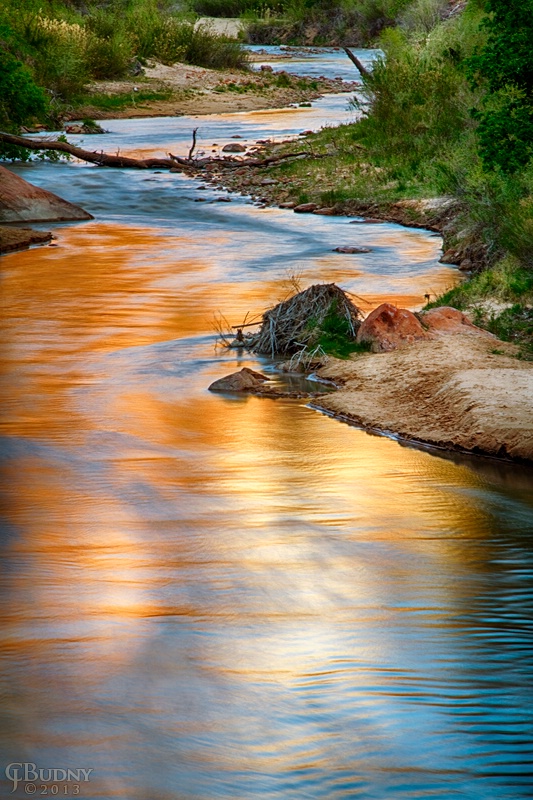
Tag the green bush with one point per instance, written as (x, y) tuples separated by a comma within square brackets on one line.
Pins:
[(504, 67), (20, 97), (415, 103)]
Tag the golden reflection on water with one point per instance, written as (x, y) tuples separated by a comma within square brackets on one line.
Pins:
[(144, 507)]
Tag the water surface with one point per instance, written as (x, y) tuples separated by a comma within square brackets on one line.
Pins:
[(214, 597)]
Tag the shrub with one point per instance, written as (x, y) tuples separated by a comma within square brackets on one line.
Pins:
[(416, 103), (200, 45), (20, 97), (504, 66), (58, 53)]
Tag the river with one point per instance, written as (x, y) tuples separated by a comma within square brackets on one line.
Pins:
[(212, 597)]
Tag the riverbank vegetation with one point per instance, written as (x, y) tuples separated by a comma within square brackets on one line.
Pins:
[(446, 113), (50, 50), (321, 22)]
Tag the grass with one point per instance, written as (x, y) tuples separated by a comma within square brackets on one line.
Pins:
[(117, 102)]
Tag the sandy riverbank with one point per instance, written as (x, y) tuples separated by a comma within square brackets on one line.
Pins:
[(197, 91), (460, 392)]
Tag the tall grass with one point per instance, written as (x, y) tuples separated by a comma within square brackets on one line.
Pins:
[(65, 48)]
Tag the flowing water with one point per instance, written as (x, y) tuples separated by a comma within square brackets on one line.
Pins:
[(215, 597)]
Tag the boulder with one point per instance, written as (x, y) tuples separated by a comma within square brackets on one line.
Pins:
[(388, 328), (235, 147), (243, 381), (451, 256), (449, 320), (305, 208), (328, 211), (20, 201)]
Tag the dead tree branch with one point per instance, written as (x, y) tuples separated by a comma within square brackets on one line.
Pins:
[(102, 159), (360, 66), (193, 145)]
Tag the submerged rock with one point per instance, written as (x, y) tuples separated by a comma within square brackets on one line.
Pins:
[(351, 249), (20, 201), (243, 381)]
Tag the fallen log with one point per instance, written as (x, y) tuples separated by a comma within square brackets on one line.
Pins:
[(172, 162), (101, 159)]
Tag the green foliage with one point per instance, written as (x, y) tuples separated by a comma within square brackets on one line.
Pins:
[(417, 99), (504, 67), (10, 152), (116, 102), (235, 8), (283, 80), (335, 336), (62, 46), (321, 22), (20, 97), (514, 324)]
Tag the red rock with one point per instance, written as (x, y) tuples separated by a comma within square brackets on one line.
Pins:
[(449, 320), (325, 212), (242, 381), (388, 328), (20, 201)]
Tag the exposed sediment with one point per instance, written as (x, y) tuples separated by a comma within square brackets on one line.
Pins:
[(458, 392)]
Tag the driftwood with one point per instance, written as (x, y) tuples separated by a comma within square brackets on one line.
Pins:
[(360, 66), (235, 163), (295, 325), (102, 159), (172, 162)]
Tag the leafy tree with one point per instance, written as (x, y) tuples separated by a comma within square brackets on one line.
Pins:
[(504, 66), (20, 97)]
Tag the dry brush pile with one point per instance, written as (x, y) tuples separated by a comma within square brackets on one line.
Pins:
[(322, 318)]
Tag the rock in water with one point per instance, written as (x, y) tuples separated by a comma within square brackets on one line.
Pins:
[(20, 201), (242, 381), (351, 249), (234, 148), (388, 328)]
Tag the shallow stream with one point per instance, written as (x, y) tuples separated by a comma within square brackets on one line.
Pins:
[(213, 597)]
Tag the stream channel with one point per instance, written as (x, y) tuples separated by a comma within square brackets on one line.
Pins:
[(222, 597)]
